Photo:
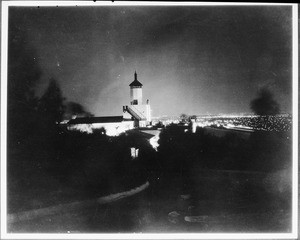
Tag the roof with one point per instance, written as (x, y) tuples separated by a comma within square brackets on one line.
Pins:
[(135, 83), (89, 120)]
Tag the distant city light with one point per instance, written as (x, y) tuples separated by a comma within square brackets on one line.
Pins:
[(277, 123)]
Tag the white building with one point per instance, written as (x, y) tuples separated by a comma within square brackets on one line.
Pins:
[(113, 125), (135, 115), (139, 112)]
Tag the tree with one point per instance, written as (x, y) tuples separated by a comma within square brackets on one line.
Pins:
[(51, 104), (51, 110), (74, 109), (184, 118), (264, 104)]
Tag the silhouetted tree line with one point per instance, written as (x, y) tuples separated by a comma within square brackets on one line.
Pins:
[(180, 151), (187, 159)]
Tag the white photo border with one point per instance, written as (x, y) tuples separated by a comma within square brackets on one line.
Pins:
[(4, 54)]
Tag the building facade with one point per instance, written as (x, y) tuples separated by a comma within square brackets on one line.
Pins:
[(136, 114)]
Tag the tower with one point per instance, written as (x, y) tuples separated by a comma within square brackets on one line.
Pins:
[(137, 111), (136, 92)]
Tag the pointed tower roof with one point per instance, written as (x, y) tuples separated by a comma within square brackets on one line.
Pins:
[(135, 83)]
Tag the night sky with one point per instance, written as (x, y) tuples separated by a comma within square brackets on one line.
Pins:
[(193, 60)]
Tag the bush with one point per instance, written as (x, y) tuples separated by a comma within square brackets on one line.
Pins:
[(180, 151)]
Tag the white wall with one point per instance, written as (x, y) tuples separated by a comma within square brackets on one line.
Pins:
[(112, 129), (126, 115), (136, 94)]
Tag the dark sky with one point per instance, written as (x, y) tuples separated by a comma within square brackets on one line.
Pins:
[(194, 60)]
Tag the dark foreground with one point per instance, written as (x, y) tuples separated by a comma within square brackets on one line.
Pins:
[(233, 202), (199, 182)]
